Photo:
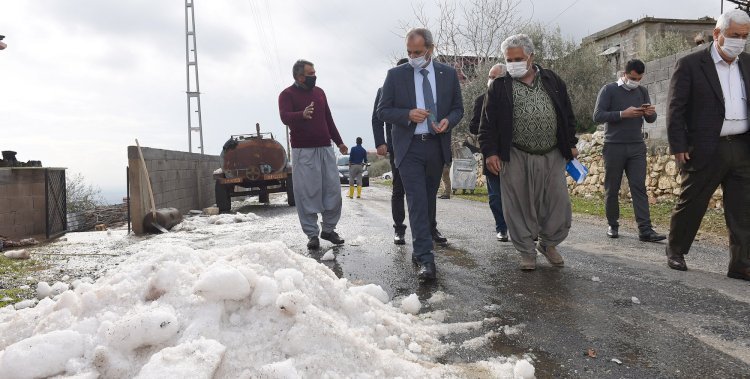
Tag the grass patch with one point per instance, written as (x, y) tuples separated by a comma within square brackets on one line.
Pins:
[(14, 294), (661, 213), (480, 194), (15, 269), (13, 273)]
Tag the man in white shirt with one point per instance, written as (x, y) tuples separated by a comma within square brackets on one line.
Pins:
[(707, 125)]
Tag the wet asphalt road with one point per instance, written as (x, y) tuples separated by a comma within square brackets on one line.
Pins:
[(693, 324)]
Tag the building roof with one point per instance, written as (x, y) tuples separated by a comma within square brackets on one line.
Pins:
[(628, 24)]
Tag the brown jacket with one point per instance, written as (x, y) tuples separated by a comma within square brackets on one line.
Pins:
[(695, 112)]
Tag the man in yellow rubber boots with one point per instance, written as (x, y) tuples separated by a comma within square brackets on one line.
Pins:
[(357, 164)]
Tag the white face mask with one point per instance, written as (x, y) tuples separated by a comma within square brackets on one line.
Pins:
[(732, 47), (419, 62), (630, 84), (517, 69)]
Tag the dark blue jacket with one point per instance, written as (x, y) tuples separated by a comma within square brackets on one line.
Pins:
[(358, 155), (399, 96)]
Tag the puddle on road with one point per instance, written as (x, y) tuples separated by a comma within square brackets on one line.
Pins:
[(457, 256)]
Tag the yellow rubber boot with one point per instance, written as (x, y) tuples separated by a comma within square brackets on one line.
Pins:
[(359, 191), (351, 192)]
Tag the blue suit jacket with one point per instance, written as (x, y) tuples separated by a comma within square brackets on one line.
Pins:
[(399, 96)]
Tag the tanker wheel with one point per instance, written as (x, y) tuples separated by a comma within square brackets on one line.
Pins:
[(223, 200), (290, 191), (263, 196), (366, 182)]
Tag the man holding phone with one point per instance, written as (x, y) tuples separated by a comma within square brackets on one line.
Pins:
[(623, 106)]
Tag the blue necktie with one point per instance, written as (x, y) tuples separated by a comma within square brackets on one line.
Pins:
[(429, 101)]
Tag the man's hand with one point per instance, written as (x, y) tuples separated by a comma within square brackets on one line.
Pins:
[(343, 149), (682, 158), (308, 112), (574, 151), (442, 126), (632, 112), (382, 150), (494, 164), (650, 110), (418, 115)]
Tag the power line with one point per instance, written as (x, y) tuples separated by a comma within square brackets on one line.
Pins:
[(561, 13)]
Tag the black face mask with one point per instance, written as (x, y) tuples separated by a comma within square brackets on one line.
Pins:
[(310, 81)]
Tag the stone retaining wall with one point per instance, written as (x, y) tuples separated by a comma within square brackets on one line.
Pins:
[(662, 179), (179, 179)]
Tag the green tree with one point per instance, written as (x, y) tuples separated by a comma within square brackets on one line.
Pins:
[(80, 195), (665, 45), (582, 69)]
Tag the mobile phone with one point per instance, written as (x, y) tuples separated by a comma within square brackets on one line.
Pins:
[(645, 105), (433, 119)]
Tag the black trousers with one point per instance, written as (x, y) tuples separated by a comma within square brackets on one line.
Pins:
[(730, 168), (397, 198), (631, 159)]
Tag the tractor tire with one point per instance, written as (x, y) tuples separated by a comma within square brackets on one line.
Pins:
[(290, 191), (223, 199), (263, 196)]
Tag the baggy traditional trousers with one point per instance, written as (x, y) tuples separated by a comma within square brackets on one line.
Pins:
[(535, 199), (317, 189)]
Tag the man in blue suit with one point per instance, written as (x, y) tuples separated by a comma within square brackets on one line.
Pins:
[(423, 102)]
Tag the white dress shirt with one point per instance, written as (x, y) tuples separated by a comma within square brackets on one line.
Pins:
[(735, 97), (424, 127)]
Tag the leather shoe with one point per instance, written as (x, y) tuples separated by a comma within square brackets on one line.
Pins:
[(651, 236), (438, 237), (398, 239), (502, 236), (333, 237), (313, 243), (613, 232), (677, 262), (740, 273), (427, 271)]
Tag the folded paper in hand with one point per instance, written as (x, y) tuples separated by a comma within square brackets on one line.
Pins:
[(577, 171)]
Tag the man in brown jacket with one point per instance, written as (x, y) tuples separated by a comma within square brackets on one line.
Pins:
[(707, 126)]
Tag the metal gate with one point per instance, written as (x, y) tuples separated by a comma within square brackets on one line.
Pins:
[(56, 199)]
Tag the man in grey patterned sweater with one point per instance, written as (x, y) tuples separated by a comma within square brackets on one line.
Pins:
[(527, 134)]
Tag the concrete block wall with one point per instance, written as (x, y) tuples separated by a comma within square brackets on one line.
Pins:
[(22, 202), (179, 179), (656, 80)]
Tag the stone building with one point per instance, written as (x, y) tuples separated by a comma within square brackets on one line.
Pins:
[(629, 39)]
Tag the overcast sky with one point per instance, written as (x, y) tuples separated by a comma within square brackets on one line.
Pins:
[(81, 79)]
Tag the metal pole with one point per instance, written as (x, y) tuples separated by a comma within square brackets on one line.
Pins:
[(722, 6), (197, 82), (187, 76), (191, 67)]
